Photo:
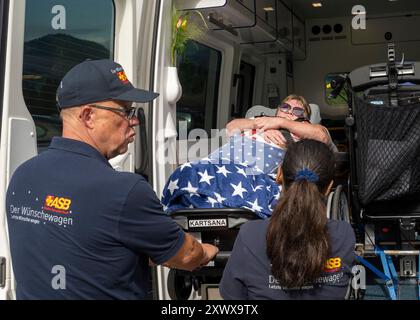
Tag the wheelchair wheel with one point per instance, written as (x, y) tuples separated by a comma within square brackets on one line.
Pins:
[(179, 285), (339, 205), (329, 202)]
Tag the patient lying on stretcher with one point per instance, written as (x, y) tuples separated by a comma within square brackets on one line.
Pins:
[(241, 174)]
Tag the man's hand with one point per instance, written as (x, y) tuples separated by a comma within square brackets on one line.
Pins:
[(267, 123), (192, 254), (276, 137), (210, 252)]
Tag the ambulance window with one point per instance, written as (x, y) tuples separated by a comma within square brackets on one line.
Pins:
[(199, 73), (57, 37)]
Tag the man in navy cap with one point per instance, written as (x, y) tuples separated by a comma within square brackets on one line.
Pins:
[(79, 229)]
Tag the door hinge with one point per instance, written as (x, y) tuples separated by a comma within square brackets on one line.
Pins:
[(2, 272)]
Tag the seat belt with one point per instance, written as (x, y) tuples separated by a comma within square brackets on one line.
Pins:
[(287, 135)]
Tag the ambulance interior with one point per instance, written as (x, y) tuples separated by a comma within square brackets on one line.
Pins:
[(282, 47)]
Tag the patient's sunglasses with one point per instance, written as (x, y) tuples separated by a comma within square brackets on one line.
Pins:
[(128, 113), (296, 111)]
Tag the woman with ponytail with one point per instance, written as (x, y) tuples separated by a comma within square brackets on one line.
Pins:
[(298, 253)]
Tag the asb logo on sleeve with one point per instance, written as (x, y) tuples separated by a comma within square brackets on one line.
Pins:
[(57, 204), (332, 265)]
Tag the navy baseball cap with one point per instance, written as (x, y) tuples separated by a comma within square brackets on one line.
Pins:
[(98, 80)]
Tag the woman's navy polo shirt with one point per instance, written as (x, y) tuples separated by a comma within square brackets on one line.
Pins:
[(81, 230), (247, 274)]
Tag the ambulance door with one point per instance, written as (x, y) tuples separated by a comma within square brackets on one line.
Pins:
[(4, 248), (18, 134), (134, 36), (44, 40), (184, 131)]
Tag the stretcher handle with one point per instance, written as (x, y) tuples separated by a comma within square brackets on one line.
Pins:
[(222, 257)]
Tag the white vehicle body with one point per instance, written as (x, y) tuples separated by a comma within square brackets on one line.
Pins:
[(279, 47)]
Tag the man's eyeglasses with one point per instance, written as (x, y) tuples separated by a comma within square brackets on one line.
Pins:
[(296, 111), (128, 113)]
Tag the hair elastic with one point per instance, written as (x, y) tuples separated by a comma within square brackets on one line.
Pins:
[(306, 174)]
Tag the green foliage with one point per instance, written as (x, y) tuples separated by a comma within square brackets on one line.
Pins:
[(185, 28)]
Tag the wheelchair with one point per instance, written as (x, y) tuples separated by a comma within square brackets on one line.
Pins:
[(220, 227), (383, 129)]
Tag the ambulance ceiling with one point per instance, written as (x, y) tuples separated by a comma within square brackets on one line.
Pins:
[(341, 8)]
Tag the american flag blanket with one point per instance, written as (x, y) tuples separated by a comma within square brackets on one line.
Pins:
[(237, 175)]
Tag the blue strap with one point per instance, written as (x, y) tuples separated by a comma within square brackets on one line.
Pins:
[(393, 271), (387, 276), (372, 268), (389, 284)]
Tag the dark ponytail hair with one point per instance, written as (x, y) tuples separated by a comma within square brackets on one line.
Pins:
[(297, 239)]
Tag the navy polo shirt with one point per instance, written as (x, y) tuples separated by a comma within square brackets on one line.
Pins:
[(247, 274), (81, 230)]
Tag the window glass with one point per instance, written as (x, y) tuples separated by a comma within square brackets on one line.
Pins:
[(59, 35), (245, 93), (199, 73)]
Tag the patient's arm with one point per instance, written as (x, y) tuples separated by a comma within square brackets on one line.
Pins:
[(237, 125), (276, 137), (304, 130)]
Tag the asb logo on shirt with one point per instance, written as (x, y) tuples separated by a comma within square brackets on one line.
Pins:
[(332, 265), (57, 204)]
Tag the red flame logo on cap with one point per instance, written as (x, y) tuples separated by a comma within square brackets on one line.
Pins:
[(123, 78)]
